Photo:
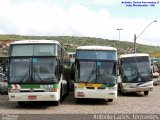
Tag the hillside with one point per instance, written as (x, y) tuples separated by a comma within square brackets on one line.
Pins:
[(71, 42)]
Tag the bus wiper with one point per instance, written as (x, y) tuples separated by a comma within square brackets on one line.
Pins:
[(23, 78), (90, 76), (145, 78)]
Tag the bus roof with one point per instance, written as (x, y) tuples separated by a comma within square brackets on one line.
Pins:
[(134, 55), (34, 41), (96, 48)]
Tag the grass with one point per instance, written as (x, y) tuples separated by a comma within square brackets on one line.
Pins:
[(79, 41)]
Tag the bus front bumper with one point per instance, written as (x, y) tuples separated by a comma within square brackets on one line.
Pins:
[(137, 89), (34, 96), (95, 94)]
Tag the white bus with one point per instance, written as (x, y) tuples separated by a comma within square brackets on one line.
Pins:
[(36, 71), (96, 72), (135, 73)]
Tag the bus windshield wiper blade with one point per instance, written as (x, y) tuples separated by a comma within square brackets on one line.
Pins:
[(90, 76)]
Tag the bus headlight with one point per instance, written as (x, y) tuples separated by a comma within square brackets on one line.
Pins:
[(15, 90), (111, 88), (111, 93), (124, 84), (51, 90), (78, 87), (55, 90)]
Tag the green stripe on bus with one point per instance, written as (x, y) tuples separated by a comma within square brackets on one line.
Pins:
[(55, 85), (32, 85)]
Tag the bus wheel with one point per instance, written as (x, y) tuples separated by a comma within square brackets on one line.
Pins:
[(146, 92), (21, 103), (110, 100), (121, 89), (78, 100), (68, 86), (56, 103)]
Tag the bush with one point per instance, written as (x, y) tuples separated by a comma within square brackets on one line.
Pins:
[(3, 89), (156, 83)]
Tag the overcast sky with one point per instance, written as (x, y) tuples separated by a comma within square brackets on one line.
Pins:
[(85, 18)]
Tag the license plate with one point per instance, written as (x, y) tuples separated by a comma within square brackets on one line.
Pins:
[(32, 97)]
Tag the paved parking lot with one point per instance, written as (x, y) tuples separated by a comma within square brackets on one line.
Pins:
[(128, 104)]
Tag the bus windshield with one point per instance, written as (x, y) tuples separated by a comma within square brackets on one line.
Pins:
[(96, 72), (136, 69), (33, 50), (33, 70), (94, 54)]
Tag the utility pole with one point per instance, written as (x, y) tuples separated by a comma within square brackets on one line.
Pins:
[(135, 37), (134, 43), (119, 29)]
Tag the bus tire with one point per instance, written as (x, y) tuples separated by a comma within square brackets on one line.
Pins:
[(121, 89), (146, 92), (21, 103), (56, 103), (110, 100), (68, 86), (78, 100), (61, 94)]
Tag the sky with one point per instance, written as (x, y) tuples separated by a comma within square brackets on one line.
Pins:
[(83, 18)]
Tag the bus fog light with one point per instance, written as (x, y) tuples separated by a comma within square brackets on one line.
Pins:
[(80, 94), (111, 93), (12, 96), (51, 96)]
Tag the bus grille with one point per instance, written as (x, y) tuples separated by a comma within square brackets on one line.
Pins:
[(32, 90), (90, 87), (101, 87)]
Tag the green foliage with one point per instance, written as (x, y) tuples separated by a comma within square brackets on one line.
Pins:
[(67, 70), (156, 83), (71, 42)]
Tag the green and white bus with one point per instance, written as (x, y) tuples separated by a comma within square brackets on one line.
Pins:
[(135, 73), (36, 71), (96, 72)]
